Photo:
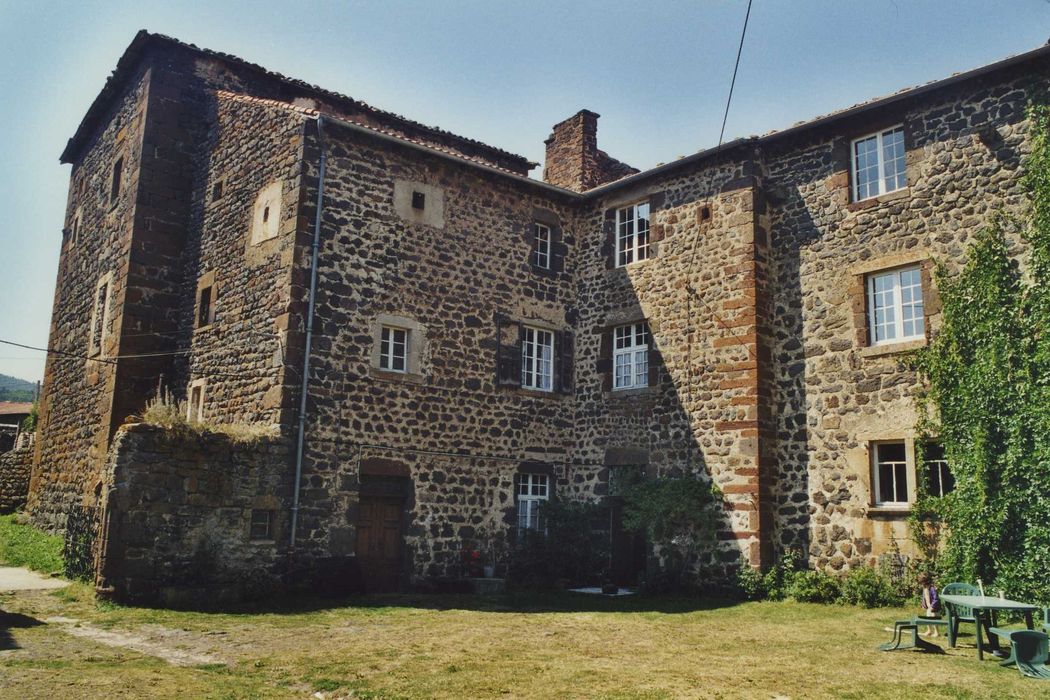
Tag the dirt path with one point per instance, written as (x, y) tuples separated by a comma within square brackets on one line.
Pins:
[(17, 578), (177, 647)]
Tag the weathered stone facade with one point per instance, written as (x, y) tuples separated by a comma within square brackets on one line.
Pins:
[(15, 466), (761, 375)]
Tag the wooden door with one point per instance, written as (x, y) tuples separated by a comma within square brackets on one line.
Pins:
[(380, 542)]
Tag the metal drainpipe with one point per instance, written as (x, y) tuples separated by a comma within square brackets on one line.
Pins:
[(309, 330)]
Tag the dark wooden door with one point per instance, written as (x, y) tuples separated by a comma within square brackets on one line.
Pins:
[(380, 542)]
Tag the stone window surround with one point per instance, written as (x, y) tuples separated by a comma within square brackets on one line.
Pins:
[(899, 306), (875, 509), (266, 213), (106, 282), (270, 522), (605, 364), (196, 413), (203, 282), (534, 369), (629, 351), (637, 251), (877, 134), (563, 385), (556, 257), (116, 181), (541, 245), (858, 294), (416, 351), (656, 197)]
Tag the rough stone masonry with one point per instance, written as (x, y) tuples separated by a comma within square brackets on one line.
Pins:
[(482, 341)]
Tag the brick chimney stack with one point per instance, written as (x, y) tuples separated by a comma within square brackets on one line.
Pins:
[(573, 160)]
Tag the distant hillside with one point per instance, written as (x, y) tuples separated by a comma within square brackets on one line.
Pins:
[(14, 389)]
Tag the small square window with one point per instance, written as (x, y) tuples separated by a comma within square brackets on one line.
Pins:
[(393, 349), (419, 200), (895, 306), (541, 246), (261, 525), (216, 191), (879, 164), (889, 466)]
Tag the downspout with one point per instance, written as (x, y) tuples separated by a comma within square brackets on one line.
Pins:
[(309, 331)]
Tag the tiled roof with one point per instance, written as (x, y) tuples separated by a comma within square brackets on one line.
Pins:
[(13, 408)]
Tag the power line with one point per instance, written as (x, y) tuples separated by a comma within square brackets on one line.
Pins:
[(736, 67)]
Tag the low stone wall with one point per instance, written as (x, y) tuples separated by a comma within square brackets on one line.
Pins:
[(14, 478), (178, 512)]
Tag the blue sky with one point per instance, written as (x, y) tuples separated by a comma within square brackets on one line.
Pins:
[(499, 71)]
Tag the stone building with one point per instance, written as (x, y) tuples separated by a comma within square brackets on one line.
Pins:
[(481, 341)]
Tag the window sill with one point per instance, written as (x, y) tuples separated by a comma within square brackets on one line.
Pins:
[(890, 511), (539, 393), (263, 542), (210, 326), (386, 375), (903, 193), (631, 392), (892, 348)]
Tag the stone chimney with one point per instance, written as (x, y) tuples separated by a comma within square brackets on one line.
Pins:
[(573, 160)]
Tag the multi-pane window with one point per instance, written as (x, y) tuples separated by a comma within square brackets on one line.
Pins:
[(878, 164), (537, 359), (533, 491), (541, 246), (393, 349), (632, 234), (895, 307), (261, 525), (939, 479), (889, 473), (631, 356)]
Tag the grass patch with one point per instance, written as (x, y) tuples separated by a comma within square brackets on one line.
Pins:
[(24, 545)]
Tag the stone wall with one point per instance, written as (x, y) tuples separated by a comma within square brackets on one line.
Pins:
[(15, 466), (178, 515), (573, 159)]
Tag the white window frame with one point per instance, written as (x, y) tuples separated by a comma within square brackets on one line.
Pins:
[(630, 356), (898, 306), (269, 516), (533, 490), (942, 469), (880, 157), (632, 233), (541, 245), (900, 471), (388, 346), (537, 358)]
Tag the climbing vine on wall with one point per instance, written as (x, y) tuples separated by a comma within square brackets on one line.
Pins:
[(988, 401)]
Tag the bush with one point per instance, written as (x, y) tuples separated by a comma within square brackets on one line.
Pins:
[(749, 582), (869, 588), (571, 549), (814, 587)]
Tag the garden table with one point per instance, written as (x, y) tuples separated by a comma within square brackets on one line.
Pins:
[(983, 607)]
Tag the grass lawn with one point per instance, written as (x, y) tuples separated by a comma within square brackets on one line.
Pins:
[(21, 545), (528, 646)]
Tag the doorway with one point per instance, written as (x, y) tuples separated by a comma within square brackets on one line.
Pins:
[(381, 542)]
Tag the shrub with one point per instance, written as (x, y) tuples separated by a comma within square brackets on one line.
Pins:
[(869, 588), (814, 587), (749, 582), (571, 549)]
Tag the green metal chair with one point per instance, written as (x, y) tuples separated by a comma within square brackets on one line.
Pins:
[(1029, 651), (960, 613)]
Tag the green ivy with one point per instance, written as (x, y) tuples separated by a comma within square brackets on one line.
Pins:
[(988, 401)]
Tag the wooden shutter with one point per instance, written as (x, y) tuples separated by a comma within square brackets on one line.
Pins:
[(563, 361), (558, 250), (604, 365), (508, 352)]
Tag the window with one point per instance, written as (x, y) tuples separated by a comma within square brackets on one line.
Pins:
[(393, 349), (541, 246), (261, 525), (533, 491), (889, 473), (118, 174), (216, 191), (939, 479), (632, 234), (74, 234), (878, 164), (99, 317), (631, 356), (195, 405), (419, 200), (895, 310), (205, 313), (537, 359)]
